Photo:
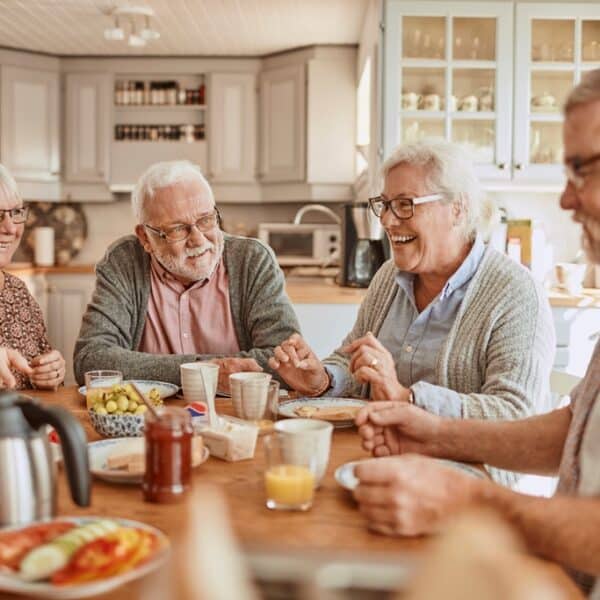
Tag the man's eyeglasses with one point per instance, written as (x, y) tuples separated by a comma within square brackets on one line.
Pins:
[(17, 215), (573, 169), (178, 233), (402, 207)]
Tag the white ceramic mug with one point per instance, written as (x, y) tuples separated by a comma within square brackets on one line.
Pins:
[(570, 276), (469, 104), (431, 102), (410, 101), (199, 381), (249, 394), (296, 432)]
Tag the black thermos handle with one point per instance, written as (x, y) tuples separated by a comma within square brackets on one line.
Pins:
[(73, 444)]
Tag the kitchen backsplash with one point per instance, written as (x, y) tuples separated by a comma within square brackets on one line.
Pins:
[(108, 221)]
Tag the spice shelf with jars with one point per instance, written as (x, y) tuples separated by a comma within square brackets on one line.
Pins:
[(156, 119)]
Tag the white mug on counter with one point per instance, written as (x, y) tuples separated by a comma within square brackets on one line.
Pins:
[(43, 239)]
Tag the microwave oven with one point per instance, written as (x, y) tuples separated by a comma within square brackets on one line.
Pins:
[(302, 244)]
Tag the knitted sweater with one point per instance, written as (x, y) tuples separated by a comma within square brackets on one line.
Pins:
[(114, 321), (499, 352)]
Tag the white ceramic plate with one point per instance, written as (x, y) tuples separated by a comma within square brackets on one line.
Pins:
[(12, 583), (344, 474), (165, 389), (99, 452), (287, 409)]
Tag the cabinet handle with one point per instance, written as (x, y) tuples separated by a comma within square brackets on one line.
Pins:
[(502, 166), (54, 172), (519, 167)]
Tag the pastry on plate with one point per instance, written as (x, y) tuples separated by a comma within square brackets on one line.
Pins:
[(328, 413)]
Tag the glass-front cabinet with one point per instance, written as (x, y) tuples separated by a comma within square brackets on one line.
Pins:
[(555, 45), (448, 70), (460, 70)]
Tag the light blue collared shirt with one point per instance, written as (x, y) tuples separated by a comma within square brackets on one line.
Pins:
[(415, 339)]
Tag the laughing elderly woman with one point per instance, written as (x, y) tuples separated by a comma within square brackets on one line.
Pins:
[(26, 358), (449, 324)]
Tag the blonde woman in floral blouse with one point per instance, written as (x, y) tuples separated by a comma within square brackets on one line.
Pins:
[(26, 358)]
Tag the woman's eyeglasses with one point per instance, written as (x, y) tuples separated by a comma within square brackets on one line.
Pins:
[(402, 207), (178, 233), (16, 215)]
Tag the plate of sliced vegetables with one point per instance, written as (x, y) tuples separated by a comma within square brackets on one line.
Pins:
[(77, 557)]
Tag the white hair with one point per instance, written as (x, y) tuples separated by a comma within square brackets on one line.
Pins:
[(8, 185), (162, 175), (449, 170)]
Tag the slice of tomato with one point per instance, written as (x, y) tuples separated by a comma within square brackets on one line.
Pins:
[(14, 545), (114, 553)]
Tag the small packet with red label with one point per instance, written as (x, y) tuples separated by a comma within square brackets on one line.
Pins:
[(199, 413)]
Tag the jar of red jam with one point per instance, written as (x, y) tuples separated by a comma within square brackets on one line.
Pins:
[(168, 454)]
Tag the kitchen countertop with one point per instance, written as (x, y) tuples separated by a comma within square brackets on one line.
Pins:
[(321, 290)]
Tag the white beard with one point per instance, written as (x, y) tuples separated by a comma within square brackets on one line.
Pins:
[(590, 235), (177, 267)]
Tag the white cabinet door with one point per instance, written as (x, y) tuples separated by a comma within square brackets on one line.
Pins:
[(448, 73), (555, 45), (68, 297), (87, 127), (282, 124), (232, 127), (29, 123)]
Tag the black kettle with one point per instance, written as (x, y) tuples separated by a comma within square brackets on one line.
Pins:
[(27, 468)]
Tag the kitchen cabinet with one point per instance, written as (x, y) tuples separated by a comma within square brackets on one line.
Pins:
[(555, 44), (449, 72), (307, 125), (577, 331), (282, 117), (87, 116), (67, 297), (232, 127), (448, 69), (29, 124)]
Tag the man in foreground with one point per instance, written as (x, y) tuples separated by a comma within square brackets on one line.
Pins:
[(181, 289), (411, 495)]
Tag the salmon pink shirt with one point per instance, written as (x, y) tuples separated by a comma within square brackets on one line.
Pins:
[(193, 319)]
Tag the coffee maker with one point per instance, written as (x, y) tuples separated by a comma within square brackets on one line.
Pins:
[(364, 245)]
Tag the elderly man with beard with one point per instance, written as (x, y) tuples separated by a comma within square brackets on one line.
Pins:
[(181, 289), (411, 495)]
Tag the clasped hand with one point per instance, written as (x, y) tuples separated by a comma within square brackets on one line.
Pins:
[(46, 371), (372, 363)]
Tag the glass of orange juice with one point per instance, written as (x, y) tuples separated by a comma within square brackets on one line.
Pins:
[(289, 479)]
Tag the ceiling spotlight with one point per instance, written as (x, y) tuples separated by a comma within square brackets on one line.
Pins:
[(114, 33), (147, 32)]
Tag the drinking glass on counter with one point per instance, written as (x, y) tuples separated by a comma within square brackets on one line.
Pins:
[(99, 382), (289, 478), (168, 454)]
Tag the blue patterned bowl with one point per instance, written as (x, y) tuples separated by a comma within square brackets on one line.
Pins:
[(117, 425)]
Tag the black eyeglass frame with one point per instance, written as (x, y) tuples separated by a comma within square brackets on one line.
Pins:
[(164, 235), (388, 204), (11, 213)]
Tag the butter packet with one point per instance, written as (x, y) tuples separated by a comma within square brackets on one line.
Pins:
[(234, 440)]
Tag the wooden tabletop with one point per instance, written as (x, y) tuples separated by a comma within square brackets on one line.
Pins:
[(333, 525)]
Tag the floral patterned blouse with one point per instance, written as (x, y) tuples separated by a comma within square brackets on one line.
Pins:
[(21, 324)]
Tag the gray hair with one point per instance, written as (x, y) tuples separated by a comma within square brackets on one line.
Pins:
[(8, 185), (162, 175), (449, 171), (586, 91)]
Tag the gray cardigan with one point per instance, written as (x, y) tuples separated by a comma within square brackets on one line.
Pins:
[(500, 349), (114, 320)]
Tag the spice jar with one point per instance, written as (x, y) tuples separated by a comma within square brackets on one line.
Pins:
[(168, 454)]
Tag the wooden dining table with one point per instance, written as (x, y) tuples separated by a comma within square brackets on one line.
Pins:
[(333, 526)]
